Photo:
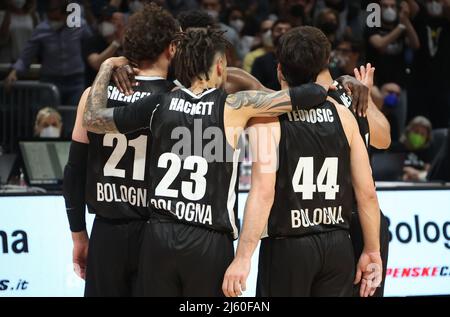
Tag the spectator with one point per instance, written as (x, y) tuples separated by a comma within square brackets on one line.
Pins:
[(16, 26), (328, 21), (266, 45), (60, 49), (235, 19), (213, 8), (431, 66), (105, 44), (297, 12), (346, 57), (265, 67), (391, 94), (415, 144), (351, 21), (195, 18), (177, 6), (48, 123), (387, 47)]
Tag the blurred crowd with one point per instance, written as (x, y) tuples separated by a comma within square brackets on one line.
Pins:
[(410, 49)]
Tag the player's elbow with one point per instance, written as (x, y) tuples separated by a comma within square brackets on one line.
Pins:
[(367, 195), (264, 191), (383, 142)]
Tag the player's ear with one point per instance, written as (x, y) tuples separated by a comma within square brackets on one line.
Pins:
[(280, 74), (220, 66), (172, 49)]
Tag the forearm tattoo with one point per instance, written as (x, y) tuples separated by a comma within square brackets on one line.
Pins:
[(271, 104), (97, 118)]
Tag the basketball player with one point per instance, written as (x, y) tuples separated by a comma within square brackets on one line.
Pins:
[(188, 241), (108, 171), (308, 251), (375, 130)]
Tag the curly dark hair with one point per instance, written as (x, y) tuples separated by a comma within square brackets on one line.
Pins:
[(149, 32), (303, 53), (196, 49), (195, 19)]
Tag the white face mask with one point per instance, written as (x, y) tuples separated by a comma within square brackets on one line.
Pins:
[(19, 4), (50, 132), (435, 8), (267, 38), (135, 6), (238, 25), (389, 15), (106, 29), (214, 14)]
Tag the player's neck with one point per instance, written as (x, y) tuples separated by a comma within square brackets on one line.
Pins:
[(325, 77), (157, 69), (200, 85)]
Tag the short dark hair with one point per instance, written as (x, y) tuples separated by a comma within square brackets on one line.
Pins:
[(303, 53), (281, 21), (149, 32), (195, 19), (196, 49)]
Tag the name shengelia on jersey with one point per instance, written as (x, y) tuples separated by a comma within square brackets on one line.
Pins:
[(115, 94)]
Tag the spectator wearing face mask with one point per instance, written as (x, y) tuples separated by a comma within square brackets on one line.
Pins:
[(297, 12), (59, 47), (390, 96), (431, 67), (265, 67), (387, 44), (328, 22), (387, 48), (350, 17), (213, 8), (105, 44), (346, 57), (246, 28), (265, 45), (415, 144), (17, 23), (48, 123)]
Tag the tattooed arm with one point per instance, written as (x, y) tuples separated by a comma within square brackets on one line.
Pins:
[(97, 118), (264, 104)]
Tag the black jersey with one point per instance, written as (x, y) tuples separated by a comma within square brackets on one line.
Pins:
[(313, 191), (341, 97), (116, 184), (193, 168)]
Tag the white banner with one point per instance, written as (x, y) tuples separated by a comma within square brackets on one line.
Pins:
[(36, 247)]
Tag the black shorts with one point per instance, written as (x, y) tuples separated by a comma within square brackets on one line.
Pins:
[(183, 260), (358, 245), (113, 258), (318, 265)]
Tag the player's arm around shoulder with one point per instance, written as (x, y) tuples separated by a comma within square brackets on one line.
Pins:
[(97, 117)]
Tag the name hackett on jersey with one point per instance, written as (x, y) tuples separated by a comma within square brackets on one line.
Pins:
[(199, 108)]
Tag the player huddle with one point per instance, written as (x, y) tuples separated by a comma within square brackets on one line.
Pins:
[(157, 163)]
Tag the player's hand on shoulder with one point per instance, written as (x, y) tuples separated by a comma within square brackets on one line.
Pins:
[(234, 282), (117, 62), (124, 77), (359, 93)]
